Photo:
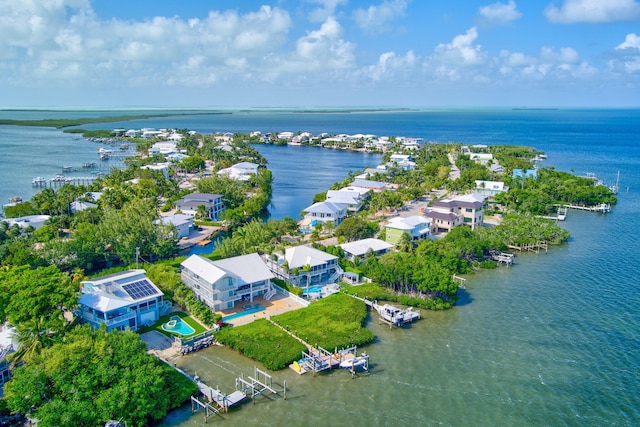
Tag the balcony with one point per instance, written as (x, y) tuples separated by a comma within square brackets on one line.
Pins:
[(111, 320)]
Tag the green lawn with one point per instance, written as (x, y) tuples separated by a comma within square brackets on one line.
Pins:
[(164, 319)]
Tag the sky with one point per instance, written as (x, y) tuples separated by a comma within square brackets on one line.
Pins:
[(319, 53)]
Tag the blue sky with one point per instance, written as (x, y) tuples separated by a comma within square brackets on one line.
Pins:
[(319, 53)]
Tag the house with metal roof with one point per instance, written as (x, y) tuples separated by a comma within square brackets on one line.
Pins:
[(212, 202), (358, 249), (302, 265), (352, 199), (122, 300), (417, 227), (322, 212), (222, 283), (240, 171), (490, 188), (370, 185), (182, 222)]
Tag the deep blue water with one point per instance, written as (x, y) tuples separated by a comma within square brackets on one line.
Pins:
[(553, 340)]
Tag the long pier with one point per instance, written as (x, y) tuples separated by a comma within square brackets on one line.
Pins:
[(85, 180), (603, 207)]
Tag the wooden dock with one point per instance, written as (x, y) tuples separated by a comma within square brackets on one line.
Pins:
[(602, 208), (532, 247)]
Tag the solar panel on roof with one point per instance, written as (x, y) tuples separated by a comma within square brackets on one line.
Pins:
[(139, 289)]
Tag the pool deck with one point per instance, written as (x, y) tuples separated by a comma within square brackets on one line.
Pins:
[(276, 305)]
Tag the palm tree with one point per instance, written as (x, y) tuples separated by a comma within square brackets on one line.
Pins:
[(202, 212), (307, 269)]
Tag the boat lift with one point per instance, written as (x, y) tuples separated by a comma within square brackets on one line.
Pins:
[(258, 384)]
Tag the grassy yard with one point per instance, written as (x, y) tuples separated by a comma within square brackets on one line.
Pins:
[(335, 321), (164, 319)]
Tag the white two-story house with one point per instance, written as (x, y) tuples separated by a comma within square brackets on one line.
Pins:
[(222, 283), (212, 202), (304, 265)]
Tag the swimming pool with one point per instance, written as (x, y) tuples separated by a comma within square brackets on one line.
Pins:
[(254, 309), (315, 289), (176, 325)]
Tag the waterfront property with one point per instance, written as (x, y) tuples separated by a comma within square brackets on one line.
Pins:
[(357, 250), (35, 221), (370, 185), (304, 265), (461, 210), (122, 300), (240, 171), (352, 199), (322, 212), (221, 284), (416, 226), (212, 202), (182, 222)]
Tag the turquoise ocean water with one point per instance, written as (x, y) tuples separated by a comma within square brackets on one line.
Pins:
[(552, 341)]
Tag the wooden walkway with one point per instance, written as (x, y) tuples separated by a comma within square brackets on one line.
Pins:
[(306, 344)]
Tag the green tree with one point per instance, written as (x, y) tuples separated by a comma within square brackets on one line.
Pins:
[(355, 228), (94, 376)]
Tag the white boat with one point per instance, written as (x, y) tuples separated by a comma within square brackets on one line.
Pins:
[(356, 362), (38, 180), (395, 315)]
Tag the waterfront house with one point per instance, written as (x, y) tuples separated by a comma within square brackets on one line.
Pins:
[(403, 161), (183, 223), (222, 283), (160, 167), (163, 147), (122, 300), (80, 205), (482, 158), (352, 199), (358, 250), (323, 212), (35, 221), (212, 202), (490, 188), (417, 227), (302, 265), (370, 185), (240, 171), (461, 210)]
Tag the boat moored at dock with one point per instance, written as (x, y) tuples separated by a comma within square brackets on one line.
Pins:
[(396, 316)]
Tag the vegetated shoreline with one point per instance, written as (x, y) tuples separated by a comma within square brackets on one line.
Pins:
[(64, 123)]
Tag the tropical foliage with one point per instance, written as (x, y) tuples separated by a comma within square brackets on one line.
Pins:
[(94, 376)]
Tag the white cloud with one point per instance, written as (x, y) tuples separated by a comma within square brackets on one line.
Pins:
[(327, 8), (376, 18), (627, 54), (461, 50), (632, 41), (594, 11), (322, 51), (61, 38), (499, 13), (564, 55), (517, 59), (390, 65)]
